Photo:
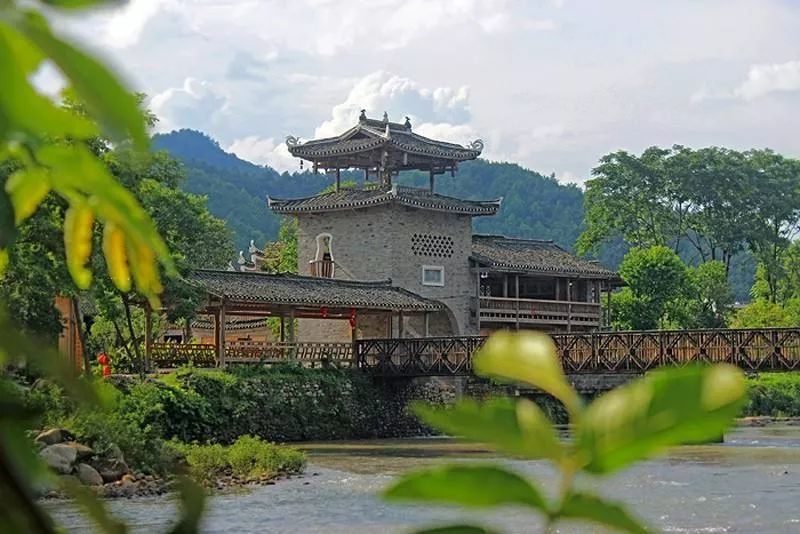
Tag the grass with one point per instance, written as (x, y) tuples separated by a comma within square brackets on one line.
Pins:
[(774, 395), (248, 458)]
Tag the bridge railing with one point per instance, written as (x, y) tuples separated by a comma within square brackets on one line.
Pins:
[(309, 354), (765, 349)]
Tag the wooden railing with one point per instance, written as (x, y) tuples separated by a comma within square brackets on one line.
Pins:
[(321, 268), (538, 311), (170, 355), (768, 349)]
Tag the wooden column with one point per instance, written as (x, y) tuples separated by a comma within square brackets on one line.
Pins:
[(222, 323), (569, 305), (338, 178), (608, 307), (216, 333), (400, 324), (354, 341), (432, 179), (283, 328), (558, 288), (428, 324), (148, 335), (478, 298), (366, 175), (505, 285), (516, 296)]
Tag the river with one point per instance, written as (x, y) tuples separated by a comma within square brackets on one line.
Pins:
[(751, 483)]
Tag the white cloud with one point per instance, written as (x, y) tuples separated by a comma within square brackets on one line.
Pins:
[(399, 96), (196, 104), (767, 78), (264, 152), (125, 27)]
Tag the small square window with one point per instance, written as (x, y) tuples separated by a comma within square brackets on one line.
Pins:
[(432, 275)]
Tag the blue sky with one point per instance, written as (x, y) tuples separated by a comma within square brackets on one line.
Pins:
[(550, 84)]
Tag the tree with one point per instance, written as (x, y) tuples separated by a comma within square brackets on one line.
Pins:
[(655, 278), (708, 300)]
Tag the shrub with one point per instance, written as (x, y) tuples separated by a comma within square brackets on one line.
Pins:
[(775, 395)]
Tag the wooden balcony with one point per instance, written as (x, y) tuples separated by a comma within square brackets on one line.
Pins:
[(321, 268), (535, 312)]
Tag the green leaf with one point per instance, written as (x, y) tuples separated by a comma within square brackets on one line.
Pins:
[(75, 170), (107, 100), (3, 260), (76, 4), (528, 357), (517, 428), (8, 229), (667, 407), (467, 485), (192, 502), (27, 188), (22, 109), (456, 529), (591, 508), (93, 507)]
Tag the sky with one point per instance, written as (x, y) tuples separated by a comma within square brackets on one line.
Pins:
[(550, 84)]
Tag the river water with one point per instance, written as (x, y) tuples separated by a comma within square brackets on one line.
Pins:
[(751, 483)]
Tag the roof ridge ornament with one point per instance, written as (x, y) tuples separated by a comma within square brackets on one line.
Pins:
[(292, 141), (476, 145), (385, 117), (363, 116), (407, 124)]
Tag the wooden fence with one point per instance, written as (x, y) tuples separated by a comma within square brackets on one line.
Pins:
[(766, 349)]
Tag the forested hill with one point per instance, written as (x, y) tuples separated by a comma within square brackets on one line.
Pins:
[(534, 206)]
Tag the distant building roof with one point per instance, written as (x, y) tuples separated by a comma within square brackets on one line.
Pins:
[(296, 290), (531, 255), (364, 145), (351, 198)]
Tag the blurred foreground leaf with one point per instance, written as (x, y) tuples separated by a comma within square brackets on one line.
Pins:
[(667, 407), (517, 428), (93, 507), (591, 508), (467, 485), (192, 498), (527, 357)]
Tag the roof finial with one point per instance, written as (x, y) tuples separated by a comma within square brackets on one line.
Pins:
[(363, 116), (385, 117), (408, 124)]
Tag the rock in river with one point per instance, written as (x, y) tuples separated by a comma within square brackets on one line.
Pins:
[(89, 475), (59, 457)]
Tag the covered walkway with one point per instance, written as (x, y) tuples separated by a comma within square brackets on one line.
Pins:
[(285, 298)]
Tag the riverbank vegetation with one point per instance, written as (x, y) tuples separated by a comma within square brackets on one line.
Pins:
[(774, 395)]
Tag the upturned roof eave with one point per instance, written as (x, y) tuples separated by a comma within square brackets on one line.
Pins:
[(530, 269)]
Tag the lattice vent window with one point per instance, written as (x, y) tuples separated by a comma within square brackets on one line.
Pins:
[(432, 246)]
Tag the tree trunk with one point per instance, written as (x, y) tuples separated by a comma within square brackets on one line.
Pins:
[(76, 312), (139, 362)]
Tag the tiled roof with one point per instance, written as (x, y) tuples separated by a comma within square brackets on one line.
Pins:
[(348, 198), (296, 290), (370, 134), (231, 324), (534, 256)]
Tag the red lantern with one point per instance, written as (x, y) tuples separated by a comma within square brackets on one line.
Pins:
[(324, 312), (103, 359), (352, 323)]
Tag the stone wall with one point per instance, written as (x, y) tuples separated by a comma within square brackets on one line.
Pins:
[(394, 242)]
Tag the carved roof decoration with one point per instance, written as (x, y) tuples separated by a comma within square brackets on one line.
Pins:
[(373, 143), (351, 198), (294, 290), (535, 256)]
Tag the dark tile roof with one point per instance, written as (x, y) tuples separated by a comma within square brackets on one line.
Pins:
[(534, 256), (296, 290), (350, 198), (369, 134)]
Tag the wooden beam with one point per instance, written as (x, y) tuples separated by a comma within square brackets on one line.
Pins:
[(222, 324)]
